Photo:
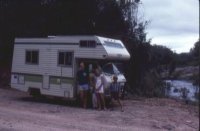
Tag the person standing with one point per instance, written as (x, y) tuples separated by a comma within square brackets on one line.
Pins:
[(93, 93), (100, 89), (115, 90), (82, 81)]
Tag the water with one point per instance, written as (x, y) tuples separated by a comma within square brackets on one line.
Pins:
[(176, 87)]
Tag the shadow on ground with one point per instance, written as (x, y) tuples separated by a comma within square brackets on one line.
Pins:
[(53, 101)]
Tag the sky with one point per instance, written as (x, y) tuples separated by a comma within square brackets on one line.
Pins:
[(172, 23)]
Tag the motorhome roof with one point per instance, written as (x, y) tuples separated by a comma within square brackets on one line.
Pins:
[(63, 38), (113, 47)]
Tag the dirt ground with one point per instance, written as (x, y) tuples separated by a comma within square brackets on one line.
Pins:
[(20, 112)]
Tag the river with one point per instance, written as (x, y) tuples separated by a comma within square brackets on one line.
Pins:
[(175, 89)]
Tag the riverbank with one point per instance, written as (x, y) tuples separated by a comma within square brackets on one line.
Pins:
[(183, 83), (188, 73)]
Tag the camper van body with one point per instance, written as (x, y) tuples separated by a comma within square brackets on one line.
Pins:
[(49, 65)]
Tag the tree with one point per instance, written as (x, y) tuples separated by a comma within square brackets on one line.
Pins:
[(195, 51)]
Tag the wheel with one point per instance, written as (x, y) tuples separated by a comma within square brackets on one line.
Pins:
[(35, 92)]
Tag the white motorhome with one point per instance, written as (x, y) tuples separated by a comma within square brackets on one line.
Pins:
[(48, 65)]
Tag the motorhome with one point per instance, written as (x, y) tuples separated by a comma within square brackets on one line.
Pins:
[(48, 66)]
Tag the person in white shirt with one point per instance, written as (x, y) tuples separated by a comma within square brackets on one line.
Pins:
[(99, 86)]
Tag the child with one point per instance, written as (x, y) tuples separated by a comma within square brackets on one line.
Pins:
[(99, 89), (115, 90), (92, 85)]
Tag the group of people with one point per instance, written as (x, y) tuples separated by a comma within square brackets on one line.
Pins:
[(94, 83)]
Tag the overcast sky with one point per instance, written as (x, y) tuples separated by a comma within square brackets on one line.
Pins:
[(173, 23)]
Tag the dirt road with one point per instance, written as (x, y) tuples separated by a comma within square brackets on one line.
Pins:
[(20, 112)]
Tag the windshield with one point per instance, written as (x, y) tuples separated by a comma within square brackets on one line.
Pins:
[(120, 67), (110, 69)]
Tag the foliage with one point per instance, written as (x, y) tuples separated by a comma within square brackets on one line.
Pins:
[(195, 53), (61, 17), (191, 58)]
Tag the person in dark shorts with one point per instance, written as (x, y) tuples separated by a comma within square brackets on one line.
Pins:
[(82, 81), (115, 90)]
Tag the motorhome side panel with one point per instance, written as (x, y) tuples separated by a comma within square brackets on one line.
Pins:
[(68, 71), (28, 75), (19, 59), (63, 77), (60, 79), (55, 68), (60, 74), (91, 53), (37, 76)]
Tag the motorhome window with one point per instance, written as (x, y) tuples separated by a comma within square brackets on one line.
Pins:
[(32, 57), (65, 58), (110, 69), (113, 44), (91, 44), (88, 43)]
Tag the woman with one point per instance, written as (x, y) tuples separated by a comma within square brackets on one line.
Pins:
[(99, 86), (82, 80)]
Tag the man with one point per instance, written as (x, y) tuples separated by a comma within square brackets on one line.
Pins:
[(82, 81)]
